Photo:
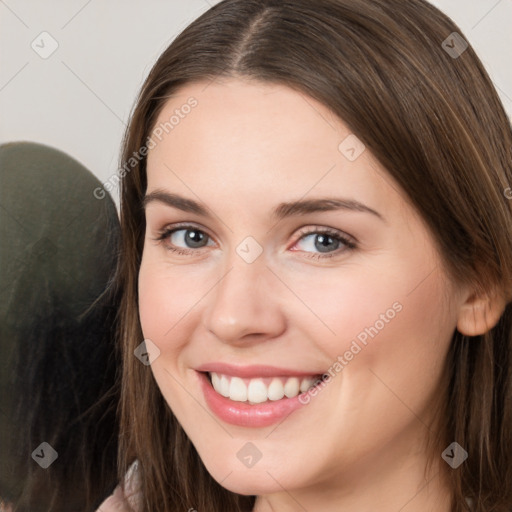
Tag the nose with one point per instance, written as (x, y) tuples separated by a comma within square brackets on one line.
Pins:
[(244, 305)]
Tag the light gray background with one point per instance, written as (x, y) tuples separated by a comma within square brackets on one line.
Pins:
[(79, 98)]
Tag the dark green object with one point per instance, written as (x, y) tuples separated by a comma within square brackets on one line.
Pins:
[(58, 358)]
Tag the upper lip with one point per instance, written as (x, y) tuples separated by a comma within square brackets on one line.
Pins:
[(252, 371)]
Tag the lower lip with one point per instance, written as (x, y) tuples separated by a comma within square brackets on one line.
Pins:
[(245, 415)]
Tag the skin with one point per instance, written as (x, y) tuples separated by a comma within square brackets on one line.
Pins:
[(359, 443)]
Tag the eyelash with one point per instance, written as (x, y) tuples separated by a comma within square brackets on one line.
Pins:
[(337, 235)]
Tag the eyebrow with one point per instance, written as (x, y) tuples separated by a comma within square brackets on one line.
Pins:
[(281, 211)]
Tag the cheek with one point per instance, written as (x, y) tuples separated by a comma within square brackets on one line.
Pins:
[(402, 355), (396, 320), (167, 295), (402, 300), (166, 305), (155, 304)]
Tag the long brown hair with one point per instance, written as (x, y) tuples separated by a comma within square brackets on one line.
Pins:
[(434, 120)]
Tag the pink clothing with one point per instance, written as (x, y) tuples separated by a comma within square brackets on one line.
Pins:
[(131, 499), (128, 500)]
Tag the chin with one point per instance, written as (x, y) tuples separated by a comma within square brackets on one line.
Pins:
[(261, 479), (248, 483)]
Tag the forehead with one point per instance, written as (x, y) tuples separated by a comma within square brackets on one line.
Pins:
[(257, 139), (244, 114)]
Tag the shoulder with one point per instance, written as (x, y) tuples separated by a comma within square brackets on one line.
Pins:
[(115, 503), (126, 498)]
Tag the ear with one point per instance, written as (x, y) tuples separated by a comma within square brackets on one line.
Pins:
[(480, 312)]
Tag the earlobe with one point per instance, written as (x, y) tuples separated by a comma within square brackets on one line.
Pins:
[(480, 313)]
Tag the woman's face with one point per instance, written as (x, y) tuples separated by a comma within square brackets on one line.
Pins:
[(296, 255)]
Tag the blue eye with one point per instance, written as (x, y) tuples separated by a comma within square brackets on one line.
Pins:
[(190, 236), (327, 242)]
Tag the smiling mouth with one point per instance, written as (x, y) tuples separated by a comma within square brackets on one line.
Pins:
[(262, 389)]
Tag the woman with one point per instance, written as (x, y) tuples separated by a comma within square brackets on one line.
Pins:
[(316, 266)]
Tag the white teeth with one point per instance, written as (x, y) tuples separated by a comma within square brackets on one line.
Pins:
[(305, 384), (215, 380), (237, 390), (221, 384), (257, 391), (224, 386), (291, 388), (276, 389)]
